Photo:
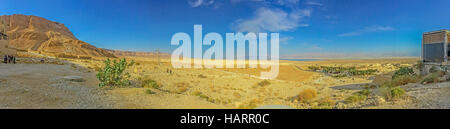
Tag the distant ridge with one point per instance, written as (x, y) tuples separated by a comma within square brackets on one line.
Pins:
[(120, 53)]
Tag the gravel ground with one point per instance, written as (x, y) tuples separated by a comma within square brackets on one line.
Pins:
[(37, 86), (431, 96)]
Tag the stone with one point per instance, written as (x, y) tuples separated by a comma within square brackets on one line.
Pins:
[(74, 78), (379, 100)]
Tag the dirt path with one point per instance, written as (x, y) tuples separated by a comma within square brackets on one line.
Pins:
[(43, 86)]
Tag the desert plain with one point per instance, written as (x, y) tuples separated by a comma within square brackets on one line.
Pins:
[(41, 81)]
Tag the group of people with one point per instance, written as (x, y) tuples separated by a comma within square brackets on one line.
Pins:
[(8, 59)]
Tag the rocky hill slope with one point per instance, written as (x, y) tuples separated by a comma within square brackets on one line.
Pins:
[(38, 34)]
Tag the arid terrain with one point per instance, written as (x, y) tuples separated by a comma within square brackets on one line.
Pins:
[(56, 70), (71, 83)]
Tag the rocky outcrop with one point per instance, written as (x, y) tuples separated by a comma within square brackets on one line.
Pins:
[(38, 34)]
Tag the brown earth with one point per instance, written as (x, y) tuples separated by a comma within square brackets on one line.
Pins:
[(34, 33)]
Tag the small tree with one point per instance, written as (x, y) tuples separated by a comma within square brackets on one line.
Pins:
[(113, 74)]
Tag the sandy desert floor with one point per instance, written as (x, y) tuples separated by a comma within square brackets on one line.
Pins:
[(57, 85)]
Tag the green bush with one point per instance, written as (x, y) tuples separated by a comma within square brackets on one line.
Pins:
[(113, 74), (358, 96), (397, 92), (389, 92), (403, 71)]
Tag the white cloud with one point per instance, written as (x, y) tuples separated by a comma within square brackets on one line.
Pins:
[(285, 39), (287, 2), (367, 30), (314, 3), (197, 3), (272, 20)]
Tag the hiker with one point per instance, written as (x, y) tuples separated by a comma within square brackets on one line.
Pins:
[(9, 59), (5, 59), (14, 59)]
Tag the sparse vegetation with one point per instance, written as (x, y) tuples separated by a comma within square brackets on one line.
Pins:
[(307, 95), (358, 96), (148, 91), (402, 76), (113, 74), (390, 93), (397, 92), (326, 103), (432, 78), (403, 80), (149, 83), (202, 76), (403, 71), (342, 71), (355, 98), (203, 96), (182, 87), (264, 83)]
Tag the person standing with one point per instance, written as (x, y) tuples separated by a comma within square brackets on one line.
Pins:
[(9, 59), (5, 59), (14, 59)]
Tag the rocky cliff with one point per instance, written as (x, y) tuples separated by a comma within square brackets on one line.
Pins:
[(38, 34)]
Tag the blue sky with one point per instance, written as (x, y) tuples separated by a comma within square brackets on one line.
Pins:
[(308, 28)]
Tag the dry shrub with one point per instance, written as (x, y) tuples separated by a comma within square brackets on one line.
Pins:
[(355, 98), (326, 103), (182, 87), (358, 96), (202, 76), (237, 95), (307, 95), (62, 55), (390, 93), (433, 77), (264, 83), (148, 91), (405, 79), (197, 93), (203, 96), (149, 83)]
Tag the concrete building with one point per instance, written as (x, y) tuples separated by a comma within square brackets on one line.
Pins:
[(435, 47)]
